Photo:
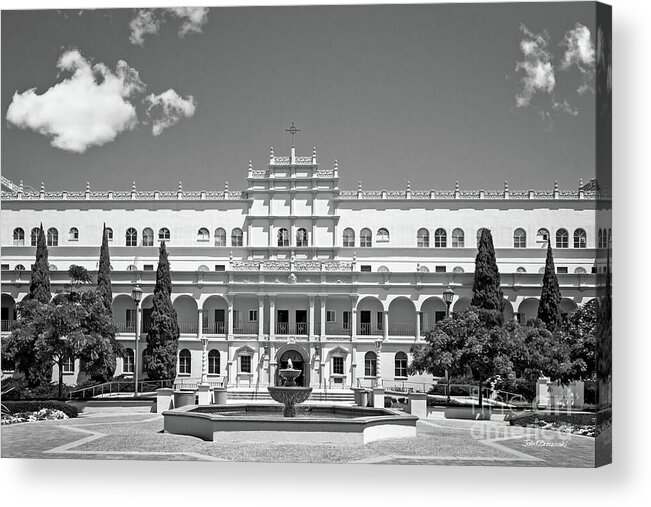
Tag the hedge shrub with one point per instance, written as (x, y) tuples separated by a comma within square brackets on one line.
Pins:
[(36, 405)]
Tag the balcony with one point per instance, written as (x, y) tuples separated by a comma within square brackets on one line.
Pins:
[(299, 328), (368, 329), (402, 329), (246, 328), (215, 327), (334, 328), (6, 325)]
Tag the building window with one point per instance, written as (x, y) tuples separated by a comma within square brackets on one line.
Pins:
[(561, 269), (440, 269), (147, 237), (4, 267), (520, 269), (109, 234), (580, 239), (458, 238), (132, 237), (301, 237), (382, 235), (164, 234), (600, 239), (203, 268), (253, 315), (349, 237), (220, 267), (73, 234), (220, 237), (580, 271), (370, 364), (346, 320), (401, 364), (245, 364), (379, 320), (283, 237), (148, 267), (236, 237), (132, 267), (542, 236), (519, 238), (562, 239), (331, 316), (34, 236), (52, 267), (19, 237), (128, 361), (365, 238), (185, 362), (68, 365), (338, 365), (203, 235), (213, 362), (365, 268), (457, 269), (422, 238), (19, 267), (52, 237), (440, 238)]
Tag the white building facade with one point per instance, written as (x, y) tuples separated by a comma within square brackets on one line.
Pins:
[(342, 282)]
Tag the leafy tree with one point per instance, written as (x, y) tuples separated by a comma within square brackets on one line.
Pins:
[(604, 331), (549, 307), (104, 288), (581, 333), (39, 287), (163, 335), (486, 291)]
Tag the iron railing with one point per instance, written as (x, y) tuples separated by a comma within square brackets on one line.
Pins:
[(300, 328), (117, 387)]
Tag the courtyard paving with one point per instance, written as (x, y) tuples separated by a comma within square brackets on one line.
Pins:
[(438, 442)]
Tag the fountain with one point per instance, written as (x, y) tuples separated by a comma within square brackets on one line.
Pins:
[(289, 394)]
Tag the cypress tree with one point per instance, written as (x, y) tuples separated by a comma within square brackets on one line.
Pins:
[(486, 291), (104, 288), (39, 287), (549, 308), (163, 335)]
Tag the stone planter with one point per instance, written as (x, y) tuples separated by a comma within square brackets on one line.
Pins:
[(220, 395), (472, 413), (183, 398)]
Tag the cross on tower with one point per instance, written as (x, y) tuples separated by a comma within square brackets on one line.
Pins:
[(292, 130)]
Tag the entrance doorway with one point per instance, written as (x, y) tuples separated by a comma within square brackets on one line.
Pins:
[(365, 321), (298, 362), (282, 324), (301, 321)]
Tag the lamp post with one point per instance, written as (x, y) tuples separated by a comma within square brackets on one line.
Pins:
[(448, 295), (136, 294)]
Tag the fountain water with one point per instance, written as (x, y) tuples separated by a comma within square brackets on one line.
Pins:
[(289, 394)]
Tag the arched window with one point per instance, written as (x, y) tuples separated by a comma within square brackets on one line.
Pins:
[(440, 238), (73, 234), (580, 271), (52, 267), (520, 269), (128, 361), (370, 364), (365, 238), (20, 267), (109, 234), (164, 234), (132, 267), (542, 236), (147, 237), (401, 364), (457, 269), (600, 238), (382, 269), (19, 237), (349, 237), (382, 235), (132, 237), (185, 362), (34, 236), (562, 239), (580, 238), (479, 231), (458, 238), (519, 238), (422, 238), (283, 237), (236, 237), (610, 238), (213, 362), (220, 237), (52, 237), (203, 235), (203, 268), (301, 237)]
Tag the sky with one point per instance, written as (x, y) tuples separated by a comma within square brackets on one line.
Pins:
[(433, 94)]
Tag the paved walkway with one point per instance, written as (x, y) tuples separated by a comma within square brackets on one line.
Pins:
[(439, 442)]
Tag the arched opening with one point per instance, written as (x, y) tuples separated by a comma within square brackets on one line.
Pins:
[(568, 307), (300, 361), (8, 312), (214, 362), (461, 304), (527, 310), (187, 313), (370, 316), (215, 315), (402, 317), (349, 237), (432, 311), (508, 310), (370, 364), (124, 313)]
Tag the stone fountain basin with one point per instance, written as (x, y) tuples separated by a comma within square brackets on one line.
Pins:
[(312, 424)]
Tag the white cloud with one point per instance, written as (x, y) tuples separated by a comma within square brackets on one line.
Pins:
[(537, 67), (88, 108), (565, 107), (579, 52), (149, 21), (167, 108)]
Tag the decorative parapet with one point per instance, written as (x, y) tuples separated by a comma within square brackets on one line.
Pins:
[(130, 195), (307, 265), (274, 265), (245, 266), (302, 266), (325, 173), (337, 266), (259, 174), (473, 194)]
